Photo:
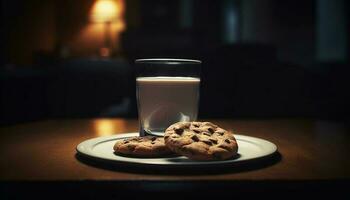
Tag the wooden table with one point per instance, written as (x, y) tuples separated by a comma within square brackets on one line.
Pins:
[(41, 156)]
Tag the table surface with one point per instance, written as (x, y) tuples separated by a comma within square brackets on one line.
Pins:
[(45, 151)]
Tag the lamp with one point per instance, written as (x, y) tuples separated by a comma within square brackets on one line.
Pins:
[(106, 12)]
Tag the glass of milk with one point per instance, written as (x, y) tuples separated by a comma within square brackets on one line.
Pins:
[(167, 92)]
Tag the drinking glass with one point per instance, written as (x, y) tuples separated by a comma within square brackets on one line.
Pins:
[(167, 92)]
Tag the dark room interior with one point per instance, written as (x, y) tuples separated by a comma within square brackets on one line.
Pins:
[(64, 63), (263, 58)]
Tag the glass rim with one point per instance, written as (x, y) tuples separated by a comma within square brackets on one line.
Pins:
[(167, 60)]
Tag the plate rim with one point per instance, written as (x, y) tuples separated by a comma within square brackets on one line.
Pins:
[(92, 142)]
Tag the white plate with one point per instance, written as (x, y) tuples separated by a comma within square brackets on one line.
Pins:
[(249, 148)]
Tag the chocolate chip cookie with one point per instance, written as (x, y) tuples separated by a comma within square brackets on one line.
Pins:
[(147, 146), (200, 141)]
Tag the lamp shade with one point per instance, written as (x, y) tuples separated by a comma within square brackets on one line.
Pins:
[(105, 11)]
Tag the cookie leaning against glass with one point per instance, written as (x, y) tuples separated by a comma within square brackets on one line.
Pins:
[(200, 141)]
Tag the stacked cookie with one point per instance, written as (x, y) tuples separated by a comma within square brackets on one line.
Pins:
[(195, 140)]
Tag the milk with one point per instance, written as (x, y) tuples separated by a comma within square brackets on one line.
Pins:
[(163, 101)]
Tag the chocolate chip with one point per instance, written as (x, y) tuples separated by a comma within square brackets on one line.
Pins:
[(206, 133), (220, 132), (196, 130), (153, 138), (165, 137), (153, 142), (207, 142), (211, 130), (179, 131), (125, 142), (195, 138), (213, 140), (227, 140)]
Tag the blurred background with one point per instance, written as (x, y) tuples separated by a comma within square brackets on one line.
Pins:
[(261, 58)]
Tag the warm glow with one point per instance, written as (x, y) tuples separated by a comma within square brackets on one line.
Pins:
[(105, 11), (105, 127), (91, 37)]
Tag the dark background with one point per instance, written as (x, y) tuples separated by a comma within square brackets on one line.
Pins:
[(261, 58)]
